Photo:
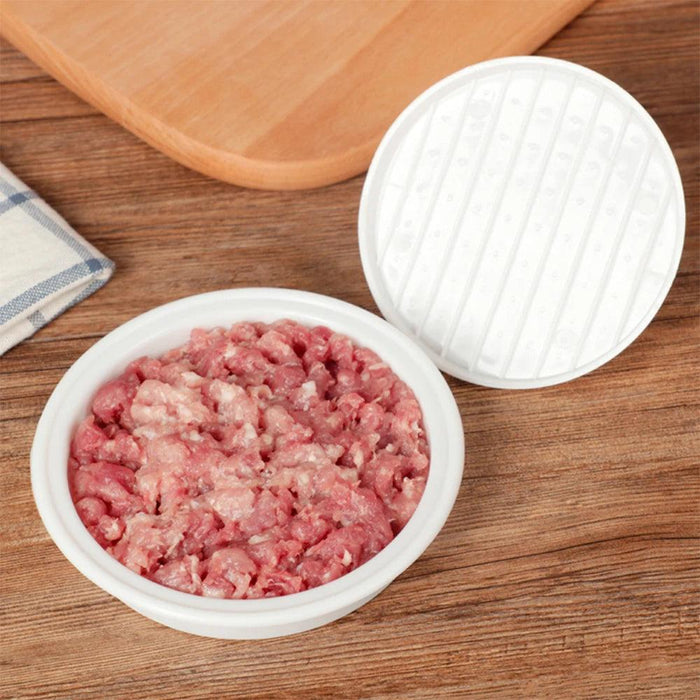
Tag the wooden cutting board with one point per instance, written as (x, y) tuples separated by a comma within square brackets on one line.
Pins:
[(269, 93)]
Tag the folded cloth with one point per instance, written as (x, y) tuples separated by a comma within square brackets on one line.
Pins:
[(45, 266)]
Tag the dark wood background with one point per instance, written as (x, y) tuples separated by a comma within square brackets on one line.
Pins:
[(570, 564)]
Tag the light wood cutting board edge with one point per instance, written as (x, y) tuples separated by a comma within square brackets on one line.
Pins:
[(218, 163)]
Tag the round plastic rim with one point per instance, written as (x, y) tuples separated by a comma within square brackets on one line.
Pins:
[(372, 189), (167, 326)]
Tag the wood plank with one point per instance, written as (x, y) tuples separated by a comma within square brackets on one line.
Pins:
[(266, 93), (570, 566)]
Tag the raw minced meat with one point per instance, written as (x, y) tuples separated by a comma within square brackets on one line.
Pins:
[(251, 462)]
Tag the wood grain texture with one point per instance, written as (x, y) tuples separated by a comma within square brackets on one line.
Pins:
[(268, 93), (570, 565)]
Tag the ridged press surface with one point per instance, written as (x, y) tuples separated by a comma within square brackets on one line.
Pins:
[(523, 220)]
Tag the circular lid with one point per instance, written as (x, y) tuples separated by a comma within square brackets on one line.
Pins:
[(523, 220)]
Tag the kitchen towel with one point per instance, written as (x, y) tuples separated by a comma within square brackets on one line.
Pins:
[(45, 266)]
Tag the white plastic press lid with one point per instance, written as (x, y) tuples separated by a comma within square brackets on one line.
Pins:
[(522, 220)]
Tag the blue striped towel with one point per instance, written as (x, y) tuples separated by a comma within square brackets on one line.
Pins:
[(45, 266)]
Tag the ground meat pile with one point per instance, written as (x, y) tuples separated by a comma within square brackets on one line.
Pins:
[(251, 462)]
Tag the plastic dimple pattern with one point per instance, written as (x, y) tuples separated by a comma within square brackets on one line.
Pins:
[(523, 220)]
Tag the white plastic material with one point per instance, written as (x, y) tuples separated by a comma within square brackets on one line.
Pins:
[(167, 326), (523, 220)]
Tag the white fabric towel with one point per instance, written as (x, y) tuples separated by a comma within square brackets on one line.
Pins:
[(45, 266)]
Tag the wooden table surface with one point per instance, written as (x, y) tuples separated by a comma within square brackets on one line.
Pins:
[(570, 564)]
